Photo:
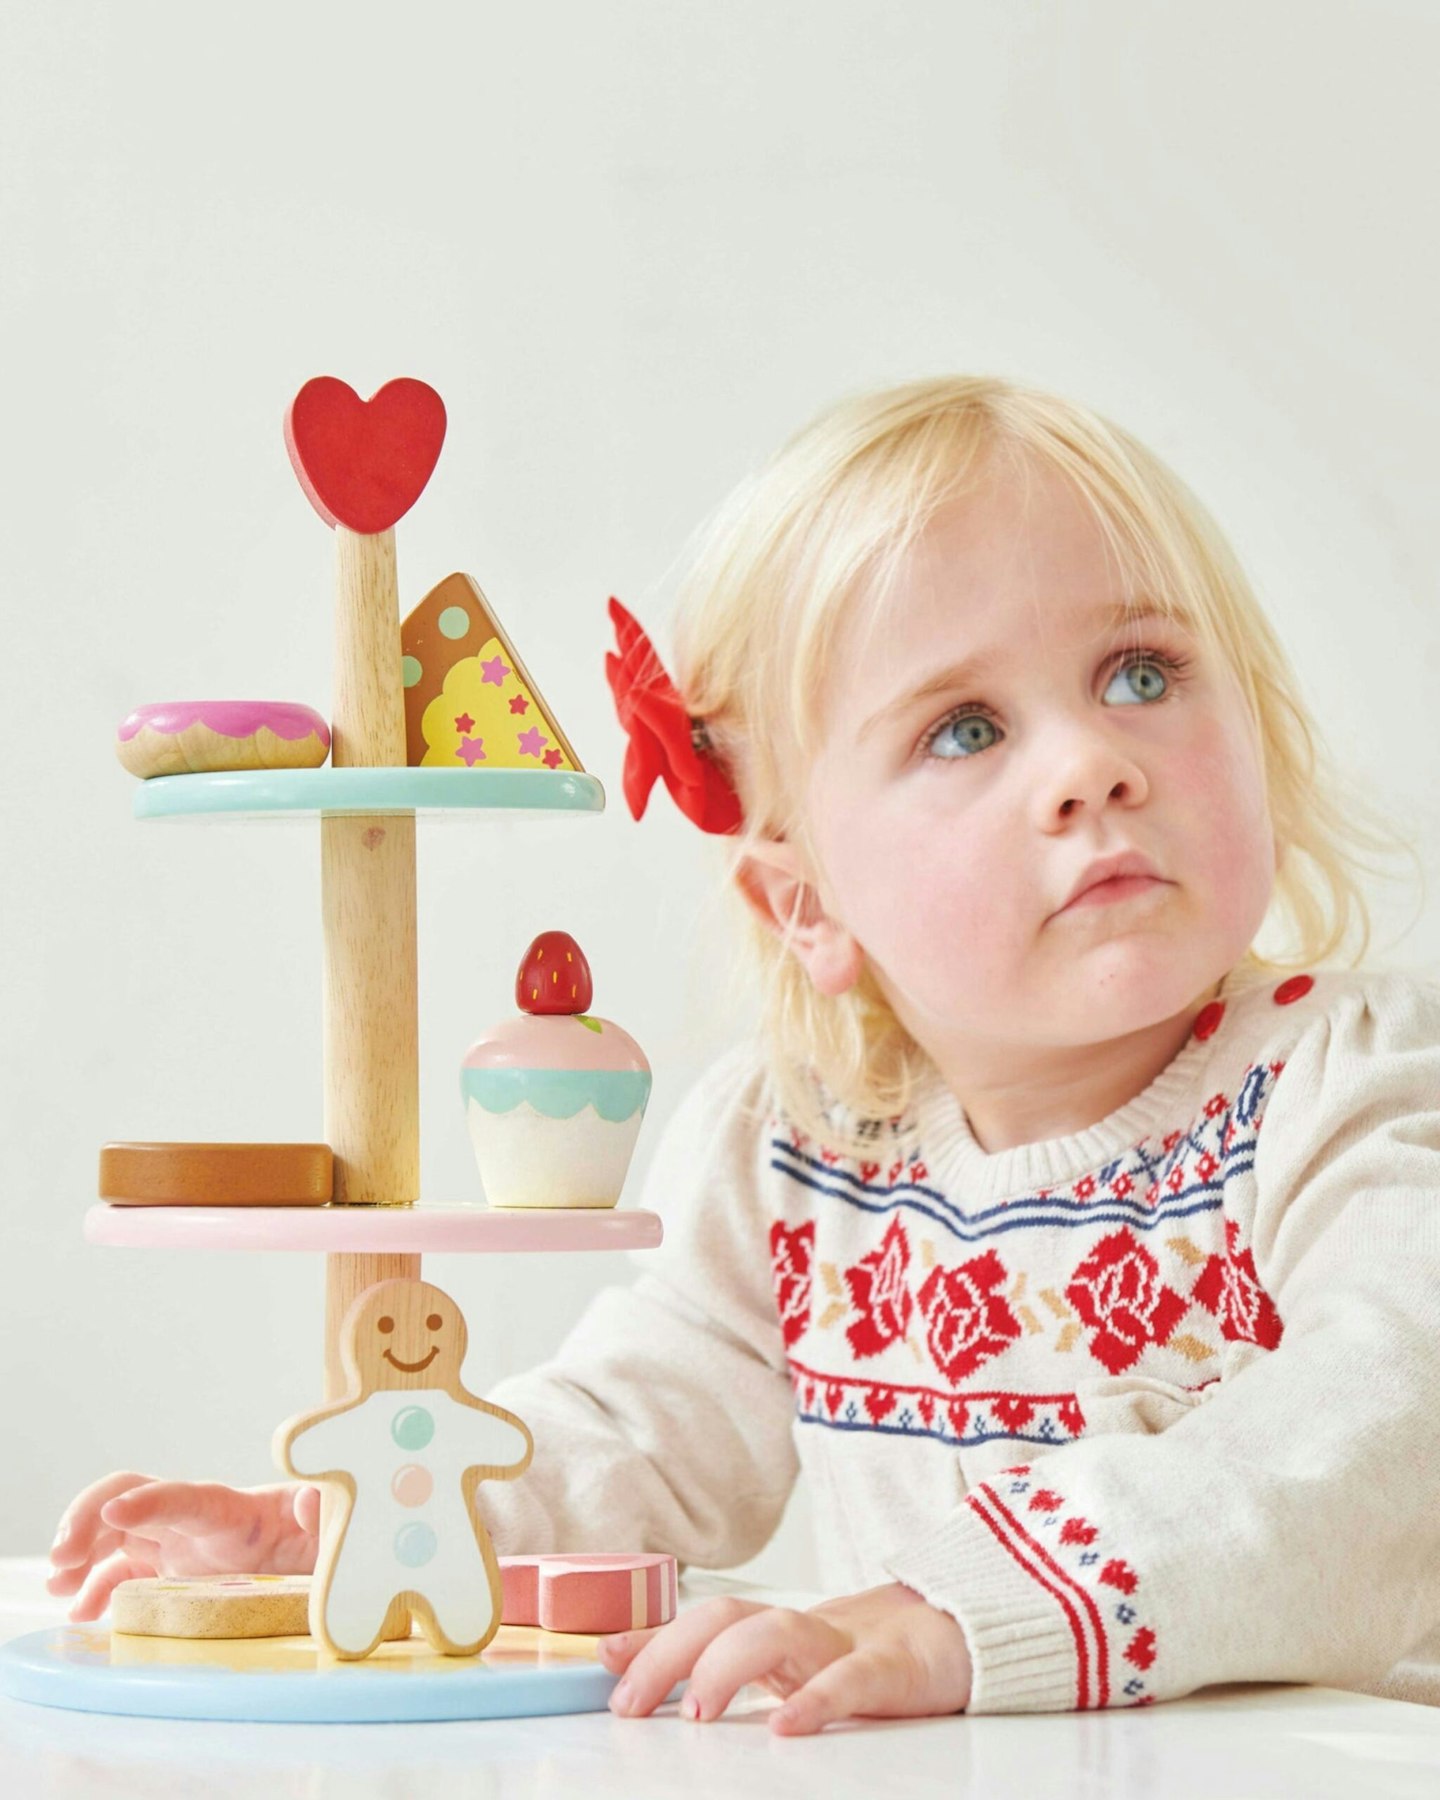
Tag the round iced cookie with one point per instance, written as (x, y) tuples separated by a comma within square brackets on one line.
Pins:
[(195, 737), (214, 1606)]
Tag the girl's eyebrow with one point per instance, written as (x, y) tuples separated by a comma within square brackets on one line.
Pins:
[(976, 668)]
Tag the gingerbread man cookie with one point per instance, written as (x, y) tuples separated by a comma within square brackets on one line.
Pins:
[(407, 1448)]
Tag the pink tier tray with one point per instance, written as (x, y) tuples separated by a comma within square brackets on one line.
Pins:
[(400, 1229)]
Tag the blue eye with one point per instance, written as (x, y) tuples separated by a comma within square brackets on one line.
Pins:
[(1150, 666), (971, 727), (972, 721)]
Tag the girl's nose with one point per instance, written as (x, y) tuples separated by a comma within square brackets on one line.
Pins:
[(1085, 768)]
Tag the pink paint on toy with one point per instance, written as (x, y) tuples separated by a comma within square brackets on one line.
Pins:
[(530, 1042), (230, 718), (413, 1485), (589, 1594), (386, 1230)]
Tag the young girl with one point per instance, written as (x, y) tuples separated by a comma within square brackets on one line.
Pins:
[(1086, 1260)]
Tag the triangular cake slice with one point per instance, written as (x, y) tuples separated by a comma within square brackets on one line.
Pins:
[(470, 701)]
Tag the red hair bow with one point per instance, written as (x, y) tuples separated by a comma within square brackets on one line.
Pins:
[(663, 737)]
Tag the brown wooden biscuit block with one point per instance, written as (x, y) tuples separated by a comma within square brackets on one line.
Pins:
[(216, 1174), (470, 702), (215, 1606)]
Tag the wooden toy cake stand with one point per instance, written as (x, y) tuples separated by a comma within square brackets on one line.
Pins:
[(375, 1227)]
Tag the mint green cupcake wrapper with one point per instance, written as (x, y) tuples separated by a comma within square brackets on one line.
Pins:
[(616, 1094)]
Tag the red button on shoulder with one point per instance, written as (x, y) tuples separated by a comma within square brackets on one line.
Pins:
[(1207, 1020), (1296, 988)]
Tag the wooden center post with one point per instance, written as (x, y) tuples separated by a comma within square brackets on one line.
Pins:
[(367, 878), (367, 884)]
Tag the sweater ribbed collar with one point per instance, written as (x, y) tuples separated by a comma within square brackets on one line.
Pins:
[(961, 1168)]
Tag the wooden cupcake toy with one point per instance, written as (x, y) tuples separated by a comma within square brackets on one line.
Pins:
[(554, 1098), (195, 737)]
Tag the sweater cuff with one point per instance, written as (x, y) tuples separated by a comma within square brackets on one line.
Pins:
[(1025, 1653)]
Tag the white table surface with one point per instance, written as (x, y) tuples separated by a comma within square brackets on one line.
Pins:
[(1256, 1740)]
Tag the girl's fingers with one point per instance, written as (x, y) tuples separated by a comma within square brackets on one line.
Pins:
[(306, 1506), (75, 1541), (192, 1508), (861, 1684), (671, 1652), (103, 1580), (620, 1648), (777, 1646), (69, 1581), (66, 1577)]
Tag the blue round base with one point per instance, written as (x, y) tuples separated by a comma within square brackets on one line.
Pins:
[(523, 1672)]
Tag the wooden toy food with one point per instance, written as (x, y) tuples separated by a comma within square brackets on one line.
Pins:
[(216, 1606), (469, 700), (194, 737), (555, 1097), (216, 1174), (212, 1606), (400, 1447), (594, 1594), (407, 1447), (591, 1595)]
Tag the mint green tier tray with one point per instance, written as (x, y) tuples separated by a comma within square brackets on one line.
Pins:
[(261, 793)]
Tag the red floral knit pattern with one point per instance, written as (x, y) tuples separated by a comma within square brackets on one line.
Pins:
[(790, 1258), (1118, 1291), (963, 1315), (881, 1295), (1149, 1273), (1098, 1593), (1229, 1287), (966, 1320)]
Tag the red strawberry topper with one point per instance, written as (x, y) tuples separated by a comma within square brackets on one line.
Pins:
[(364, 463), (554, 976)]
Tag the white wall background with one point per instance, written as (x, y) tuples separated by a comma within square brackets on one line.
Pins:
[(633, 245)]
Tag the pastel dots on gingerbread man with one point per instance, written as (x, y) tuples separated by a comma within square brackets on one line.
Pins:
[(406, 1450)]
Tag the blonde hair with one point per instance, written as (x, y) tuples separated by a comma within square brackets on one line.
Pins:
[(810, 544)]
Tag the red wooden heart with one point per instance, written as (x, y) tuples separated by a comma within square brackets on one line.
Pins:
[(364, 463)]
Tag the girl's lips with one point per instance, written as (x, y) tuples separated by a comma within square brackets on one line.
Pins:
[(1120, 887)]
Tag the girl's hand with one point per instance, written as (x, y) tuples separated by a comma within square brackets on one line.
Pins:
[(128, 1526), (882, 1654)]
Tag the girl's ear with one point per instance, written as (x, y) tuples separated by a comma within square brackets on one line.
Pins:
[(776, 882)]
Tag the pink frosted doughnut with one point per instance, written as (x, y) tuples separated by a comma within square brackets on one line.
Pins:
[(193, 737)]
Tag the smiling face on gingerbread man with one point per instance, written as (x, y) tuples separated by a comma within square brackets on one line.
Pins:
[(405, 1334)]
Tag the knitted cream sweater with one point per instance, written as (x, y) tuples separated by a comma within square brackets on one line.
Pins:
[(1145, 1408)]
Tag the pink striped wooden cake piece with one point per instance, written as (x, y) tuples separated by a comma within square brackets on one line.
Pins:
[(588, 1594)]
